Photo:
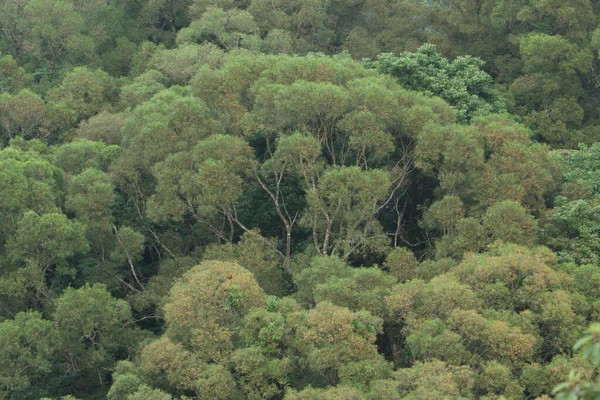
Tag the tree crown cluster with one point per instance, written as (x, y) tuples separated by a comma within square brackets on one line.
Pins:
[(284, 199)]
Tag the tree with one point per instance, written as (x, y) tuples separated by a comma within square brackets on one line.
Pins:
[(27, 182), (182, 63), (304, 20), (204, 181), (202, 312), (582, 167), (128, 250), (577, 387), (94, 330), (363, 290), (150, 300), (192, 180), (13, 77), (28, 342), (163, 18), (341, 211), (172, 121), (54, 29), (146, 392), (342, 117), (214, 294), (510, 166), (77, 156), (85, 91), (509, 222), (295, 155), (103, 127), (23, 114), (401, 264), (570, 229), (42, 246), (320, 269), (13, 27), (557, 113), (435, 379), (142, 89), (126, 381), (259, 375), (460, 82), (257, 256), (339, 344), (229, 30), (89, 197), (337, 392)]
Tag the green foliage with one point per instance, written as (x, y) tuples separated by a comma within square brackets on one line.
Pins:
[(201, 298), (578, 387), (28, 342), (258, 373), (90, 195), (85, 91), (181, 64), (204, 181), (361, 291), (53, 29), (572, 231), (203, 309), (126, 381), (103, 127), (28, 182), (347, 197), (401, 263), (338, 392), (482, 174), (321, 268), (171, 121), (93, 330), (434, 380), (206, 199), (146, 392), (23, 114), (570, 228), (158, 286), (13, 77), (460, 82), (77, 156), (257, 257), (509, 222), (230, 30), (40, 249), (142, 88), (332, 337), (583, 167)]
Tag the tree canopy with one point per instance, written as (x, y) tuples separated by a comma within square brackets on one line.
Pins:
[(284, 199)]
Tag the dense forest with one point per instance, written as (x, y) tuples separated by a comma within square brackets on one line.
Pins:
[(299, 199)]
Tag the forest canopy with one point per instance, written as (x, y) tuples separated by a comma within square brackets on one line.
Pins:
[(284, 199)]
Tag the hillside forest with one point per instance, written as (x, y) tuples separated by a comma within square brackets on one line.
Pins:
[(299, 199)]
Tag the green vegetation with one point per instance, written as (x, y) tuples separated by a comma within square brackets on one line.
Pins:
[(297, 200)]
